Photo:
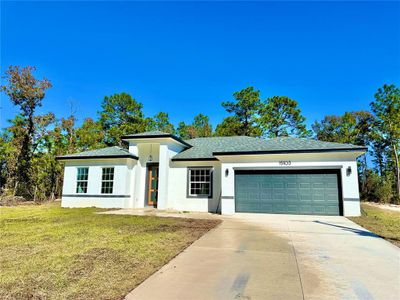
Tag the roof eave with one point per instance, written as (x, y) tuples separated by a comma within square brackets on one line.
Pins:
[(135, 137), (195, 159), (61, 158), (362, 150)]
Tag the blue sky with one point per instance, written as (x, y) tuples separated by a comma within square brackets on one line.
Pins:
[(187, 57)]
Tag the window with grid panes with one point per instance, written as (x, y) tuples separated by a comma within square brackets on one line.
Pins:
[(200, 181), (82, 176), (107, 181)]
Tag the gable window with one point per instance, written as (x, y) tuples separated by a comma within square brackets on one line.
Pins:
[(107, 181), (199, 182), (82, 180)]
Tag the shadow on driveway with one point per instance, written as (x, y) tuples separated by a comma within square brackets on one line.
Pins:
[(345, 228), (353, 230)]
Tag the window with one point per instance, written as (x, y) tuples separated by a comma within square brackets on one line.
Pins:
[(200, 182), (107, 181), (82, 180)]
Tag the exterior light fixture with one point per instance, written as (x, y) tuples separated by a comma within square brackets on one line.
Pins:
[(150, 159), (226, 172), (348, 171)]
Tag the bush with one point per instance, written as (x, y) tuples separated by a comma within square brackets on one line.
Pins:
[(378, 189), (11, 200), (384, 191)]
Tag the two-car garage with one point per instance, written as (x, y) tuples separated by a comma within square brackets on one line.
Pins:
[(288, 192)]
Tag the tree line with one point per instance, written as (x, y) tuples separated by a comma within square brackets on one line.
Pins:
[(30, 144)]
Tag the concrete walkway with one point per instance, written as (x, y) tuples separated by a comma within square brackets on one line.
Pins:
[(148, 211), (258, 256)]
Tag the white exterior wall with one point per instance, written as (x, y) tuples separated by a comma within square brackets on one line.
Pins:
[(178, 181), (123, 174), (340, 161)]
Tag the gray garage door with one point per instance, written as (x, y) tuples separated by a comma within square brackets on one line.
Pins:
[(291, 192)]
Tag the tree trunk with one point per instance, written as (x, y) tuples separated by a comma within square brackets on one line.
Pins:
[(34, 194), (396, 157), (15, 188), (25, 159)]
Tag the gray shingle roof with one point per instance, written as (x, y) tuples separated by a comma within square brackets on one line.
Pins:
[(154, 134), (207, 148), (109, 152), (149, 133)]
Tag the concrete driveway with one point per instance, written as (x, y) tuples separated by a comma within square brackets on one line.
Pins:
[(260, 256)]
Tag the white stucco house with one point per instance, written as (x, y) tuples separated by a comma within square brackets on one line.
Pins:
[(216, 174)]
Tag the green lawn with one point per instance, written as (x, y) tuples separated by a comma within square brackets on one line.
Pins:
[(48, 252), (383, 222)]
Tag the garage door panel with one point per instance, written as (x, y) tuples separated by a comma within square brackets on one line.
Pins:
[(293, 193), (318, 209), (278, 196), (305, 185), (305, 196), (293, 208), (331, 185), (332, 197), (318, 185), (266, 185), (266, 197)]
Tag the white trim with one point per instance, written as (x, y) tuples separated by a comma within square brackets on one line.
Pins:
[(79, 180), (190, 169), (107, 180)]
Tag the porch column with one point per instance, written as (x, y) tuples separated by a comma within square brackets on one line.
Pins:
[(163, 177)]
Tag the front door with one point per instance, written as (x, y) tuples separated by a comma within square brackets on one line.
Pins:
[(152, 185)]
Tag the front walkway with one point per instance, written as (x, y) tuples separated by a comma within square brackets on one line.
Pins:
[(258, 256), (168, 213)]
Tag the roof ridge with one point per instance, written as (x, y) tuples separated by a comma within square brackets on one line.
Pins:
[(218, 137)]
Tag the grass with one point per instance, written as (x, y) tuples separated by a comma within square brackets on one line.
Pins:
[(48, 252), (383, 222)]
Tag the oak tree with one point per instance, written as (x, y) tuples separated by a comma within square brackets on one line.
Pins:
[(26, 92)]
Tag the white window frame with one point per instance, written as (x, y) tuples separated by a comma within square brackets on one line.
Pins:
[(78, 180), (107, 180), (190, 182)]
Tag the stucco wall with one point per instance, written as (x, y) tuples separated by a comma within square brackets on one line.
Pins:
[(341, 161), (178, 181), (123, 174)]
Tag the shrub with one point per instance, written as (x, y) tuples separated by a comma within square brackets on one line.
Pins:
[(378, 189)]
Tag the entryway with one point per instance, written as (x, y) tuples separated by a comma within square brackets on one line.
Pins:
[(152, 185)]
